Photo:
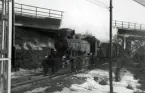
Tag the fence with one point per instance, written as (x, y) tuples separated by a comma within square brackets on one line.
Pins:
[(128, 25), (38, 12)]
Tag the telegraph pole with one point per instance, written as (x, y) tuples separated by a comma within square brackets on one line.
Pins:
[(5, 46), (13, 34), (110, 61), (13, 21)]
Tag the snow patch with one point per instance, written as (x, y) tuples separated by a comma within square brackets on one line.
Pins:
[(25, 46), (101, 74), (128, 79), (38, 45), (95, 87), (24, 72), (92, 86), (17, 47), (37, 90)]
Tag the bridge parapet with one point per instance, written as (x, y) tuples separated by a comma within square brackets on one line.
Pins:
[(128, 25), (37, 17), (34, 11)]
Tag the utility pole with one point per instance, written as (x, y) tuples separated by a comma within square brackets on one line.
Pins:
[(110, 61), (13, 21), (5, 46), (13, 34)]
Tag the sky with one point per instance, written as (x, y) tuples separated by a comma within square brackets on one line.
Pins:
[(85, 16)]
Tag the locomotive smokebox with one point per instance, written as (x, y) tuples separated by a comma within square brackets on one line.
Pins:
[(66, 32)]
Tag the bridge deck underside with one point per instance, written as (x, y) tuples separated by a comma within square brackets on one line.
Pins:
[(136, 36), (28, 21), (131, 32), (132, 38)]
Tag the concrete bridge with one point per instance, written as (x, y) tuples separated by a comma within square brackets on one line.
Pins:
[(132, 34), (37, 17)]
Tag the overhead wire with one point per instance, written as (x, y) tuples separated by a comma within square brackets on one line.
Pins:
[(99, 3), (103, 3)]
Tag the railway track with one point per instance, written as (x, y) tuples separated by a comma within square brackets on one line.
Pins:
[(34, 77), (24, 78), (39, 78)]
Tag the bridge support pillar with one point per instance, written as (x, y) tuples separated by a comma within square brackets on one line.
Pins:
[(128, 46), (124, 42)]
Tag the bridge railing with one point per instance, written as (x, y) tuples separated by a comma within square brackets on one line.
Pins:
[(128, 25), (34, 11)]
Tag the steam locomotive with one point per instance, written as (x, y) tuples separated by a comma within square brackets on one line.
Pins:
[(82, 53), (74, 52)]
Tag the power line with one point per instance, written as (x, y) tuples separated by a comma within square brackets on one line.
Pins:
[(110, 8), (99, 4)]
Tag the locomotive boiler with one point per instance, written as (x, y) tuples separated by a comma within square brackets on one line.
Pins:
[(74, 53), (78, 51), (81, 52), (75, 50)]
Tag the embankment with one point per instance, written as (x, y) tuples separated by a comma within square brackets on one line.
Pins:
[(31, 45)]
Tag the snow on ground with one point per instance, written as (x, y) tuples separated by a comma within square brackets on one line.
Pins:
[(93, 86), (37, 90), (95, 73), (92, 83), (24, 72)]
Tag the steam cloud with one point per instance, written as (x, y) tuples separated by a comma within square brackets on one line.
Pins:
[(83, 16)]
